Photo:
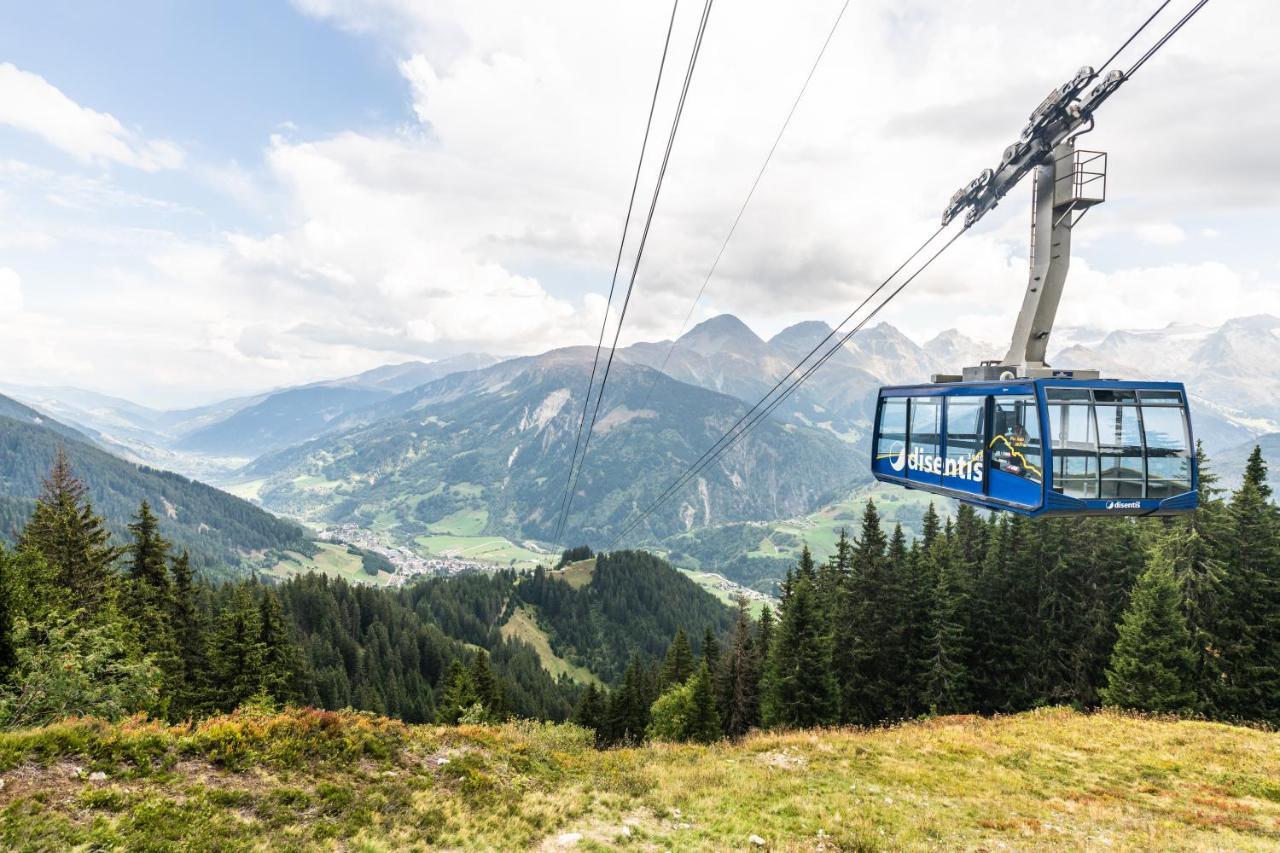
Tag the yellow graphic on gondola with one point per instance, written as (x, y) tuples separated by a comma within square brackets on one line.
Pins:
[(1011, 446)]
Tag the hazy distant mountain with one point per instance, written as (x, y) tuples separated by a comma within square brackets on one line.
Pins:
[(1232, 373), (396, 378), (721, 354), (210, 440), (280, 420), (221, 532), (491, 448), (951, 351), (1229, 464), (16, 411)]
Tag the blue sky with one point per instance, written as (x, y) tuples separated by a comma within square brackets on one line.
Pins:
[(216, 77), (206, 199)]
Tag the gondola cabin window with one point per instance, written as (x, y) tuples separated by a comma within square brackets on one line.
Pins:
[(1120, 443), (1015, 437)]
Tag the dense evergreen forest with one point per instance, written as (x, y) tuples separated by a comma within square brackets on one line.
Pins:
[(218, 531), (91, 623), (631, 608), (1003, 614), (983, 615)]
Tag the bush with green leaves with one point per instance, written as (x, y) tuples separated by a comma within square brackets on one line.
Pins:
[(66, 668)]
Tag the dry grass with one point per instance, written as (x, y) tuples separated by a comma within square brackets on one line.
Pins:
[(577, 574), (1045, 780), (523, 625)]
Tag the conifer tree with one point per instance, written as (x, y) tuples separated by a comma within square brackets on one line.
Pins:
[(764, 633), (946, 678), (237, 653), (971, 541), (8, 655), (591, 710), (799, 687), (1002, 651), (1255, 472), (191, 636), (738, 682), (628, 714), (73, 540), (1191, 546), (704, 720), (281, 663), (930, 527), (488, 690), (1251, 625), (833, 577), (805, 565), (1151, 665), (710, 650), (871, 657), (459, 694), (148, 599), (679, 662)]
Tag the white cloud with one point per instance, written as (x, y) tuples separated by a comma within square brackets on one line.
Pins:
[(26, 238), (10, 294), (1152, 297), (536, 124), (30, 103), (1159, 233), (490, 222)]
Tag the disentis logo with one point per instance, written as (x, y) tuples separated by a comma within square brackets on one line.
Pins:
[(964, 469)]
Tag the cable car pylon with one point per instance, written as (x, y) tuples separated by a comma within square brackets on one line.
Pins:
[(1016, 433)]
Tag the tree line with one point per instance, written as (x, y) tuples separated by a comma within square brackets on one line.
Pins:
[(92, 626), (977, 614), (989, 615)]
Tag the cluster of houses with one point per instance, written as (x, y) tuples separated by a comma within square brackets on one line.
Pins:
[(406, 562)]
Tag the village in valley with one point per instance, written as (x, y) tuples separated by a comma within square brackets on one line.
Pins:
[(407, 563)]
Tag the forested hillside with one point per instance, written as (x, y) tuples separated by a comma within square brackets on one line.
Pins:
[(632, 607), (983, 615), (221, 533), (101, 624), (992, 615)]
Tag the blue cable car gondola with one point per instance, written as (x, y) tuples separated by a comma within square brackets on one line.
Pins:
[(1016, 434), (1049, 447)]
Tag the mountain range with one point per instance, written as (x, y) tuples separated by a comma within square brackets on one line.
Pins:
[(473, 445)]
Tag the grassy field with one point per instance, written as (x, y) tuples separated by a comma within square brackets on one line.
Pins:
[(464, 522), (715, 584), (491, 549), (302, 780), (523, 626), (332, 559), (250, 490), (821, 529), (577, 575)]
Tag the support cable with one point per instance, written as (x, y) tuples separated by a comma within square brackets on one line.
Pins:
[(1129, 40), (1182, 22), (617, 263), (746, 201), (635, 269), (732, 434)]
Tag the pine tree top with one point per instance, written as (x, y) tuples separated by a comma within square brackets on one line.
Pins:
[(1255, 472)]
